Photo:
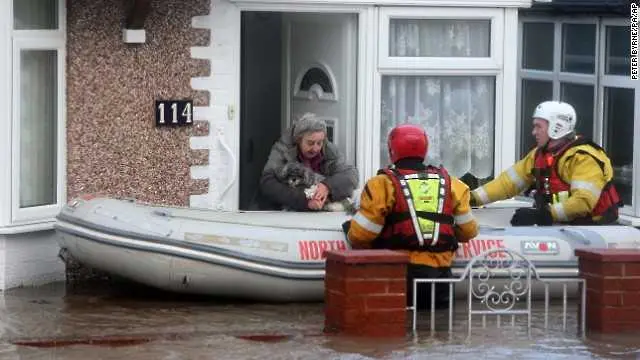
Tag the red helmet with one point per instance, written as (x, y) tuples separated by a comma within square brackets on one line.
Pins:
[(407, 141)]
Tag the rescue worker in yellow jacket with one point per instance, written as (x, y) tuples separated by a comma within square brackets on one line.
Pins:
[(572, 176), (419, 209)]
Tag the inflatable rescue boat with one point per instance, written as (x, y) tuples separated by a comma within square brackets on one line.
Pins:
[(278, 256)]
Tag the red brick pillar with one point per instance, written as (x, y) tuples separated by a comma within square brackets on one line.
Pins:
[(365, 293), (613, 289)]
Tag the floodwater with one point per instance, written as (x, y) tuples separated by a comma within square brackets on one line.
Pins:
[(121, 321)]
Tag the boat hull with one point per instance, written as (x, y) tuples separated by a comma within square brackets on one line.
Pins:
[(278, 256), (189, 274)]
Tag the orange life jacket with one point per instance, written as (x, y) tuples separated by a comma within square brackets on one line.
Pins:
[(399, 231), (553, 189)]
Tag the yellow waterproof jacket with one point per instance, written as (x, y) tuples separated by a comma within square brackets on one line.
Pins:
[(577, 166), (377, 201)]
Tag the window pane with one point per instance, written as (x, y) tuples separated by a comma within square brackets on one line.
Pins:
[(618, 123), (533, 93), (537, 51), (581, 98), (457, 113), (444, 38), (578, 48), (617, 59), (38, 127), (35, 14)]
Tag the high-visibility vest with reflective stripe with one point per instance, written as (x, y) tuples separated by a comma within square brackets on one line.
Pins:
[(423, 203)]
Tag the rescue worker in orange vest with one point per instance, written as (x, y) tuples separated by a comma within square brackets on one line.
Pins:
[(419, 209), (572, 176)]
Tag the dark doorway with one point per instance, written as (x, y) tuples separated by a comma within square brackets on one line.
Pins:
[(260, 97)]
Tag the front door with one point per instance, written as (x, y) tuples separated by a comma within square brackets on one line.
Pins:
[(320, 63)]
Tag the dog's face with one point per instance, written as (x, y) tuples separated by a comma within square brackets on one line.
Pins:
[(295, 179), (296, 175)]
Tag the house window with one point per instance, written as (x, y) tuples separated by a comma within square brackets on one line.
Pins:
[(565, 71), (537, 55), (457, 113), (35, 15), (617, 60), (618, 120), (579, 48), (438, 69), (38, 39), (587, 66), (439, 38)]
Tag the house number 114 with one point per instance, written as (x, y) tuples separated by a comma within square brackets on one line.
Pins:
[(174, 112)]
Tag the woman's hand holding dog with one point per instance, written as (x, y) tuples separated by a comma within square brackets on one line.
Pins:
[(314, 204), (322, 192), (319, 198)]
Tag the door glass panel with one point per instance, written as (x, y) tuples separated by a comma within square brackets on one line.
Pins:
[(537, 51), (457, 113), (578, 48), (618, 124), (581, 98), (617, 60), (38, 127), (439, 38), (35, 14), (533, 93)]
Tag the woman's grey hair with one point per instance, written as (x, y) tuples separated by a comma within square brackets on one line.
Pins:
[(308, 123)]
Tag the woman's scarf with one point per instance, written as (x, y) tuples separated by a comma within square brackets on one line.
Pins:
[(314, 164)]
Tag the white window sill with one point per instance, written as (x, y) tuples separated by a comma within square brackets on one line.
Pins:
[(25, 228), (629, 220)]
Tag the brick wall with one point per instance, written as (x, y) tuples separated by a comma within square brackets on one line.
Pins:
[(365, 293), (613, 289)]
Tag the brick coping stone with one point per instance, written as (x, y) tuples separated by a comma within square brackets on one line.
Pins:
[(609, 255)]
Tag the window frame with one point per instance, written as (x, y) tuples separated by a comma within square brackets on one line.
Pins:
[(599, 80), (5, 112), (499, 64), (625, 82), (54, 39)]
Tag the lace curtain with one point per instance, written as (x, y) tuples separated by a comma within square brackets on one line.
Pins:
[(456, 111)]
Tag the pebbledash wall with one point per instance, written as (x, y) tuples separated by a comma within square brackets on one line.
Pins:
[(113, 147)]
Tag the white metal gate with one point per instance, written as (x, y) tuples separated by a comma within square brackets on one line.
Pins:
[(500, 284)]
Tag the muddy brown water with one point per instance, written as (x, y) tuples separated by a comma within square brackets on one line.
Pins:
[(126, 321)]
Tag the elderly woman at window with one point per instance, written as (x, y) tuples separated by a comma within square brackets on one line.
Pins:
[(304, 145)]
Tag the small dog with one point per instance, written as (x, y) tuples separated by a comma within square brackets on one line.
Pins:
[(297, 175)]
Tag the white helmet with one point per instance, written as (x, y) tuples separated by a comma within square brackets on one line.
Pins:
[(560, 115)]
